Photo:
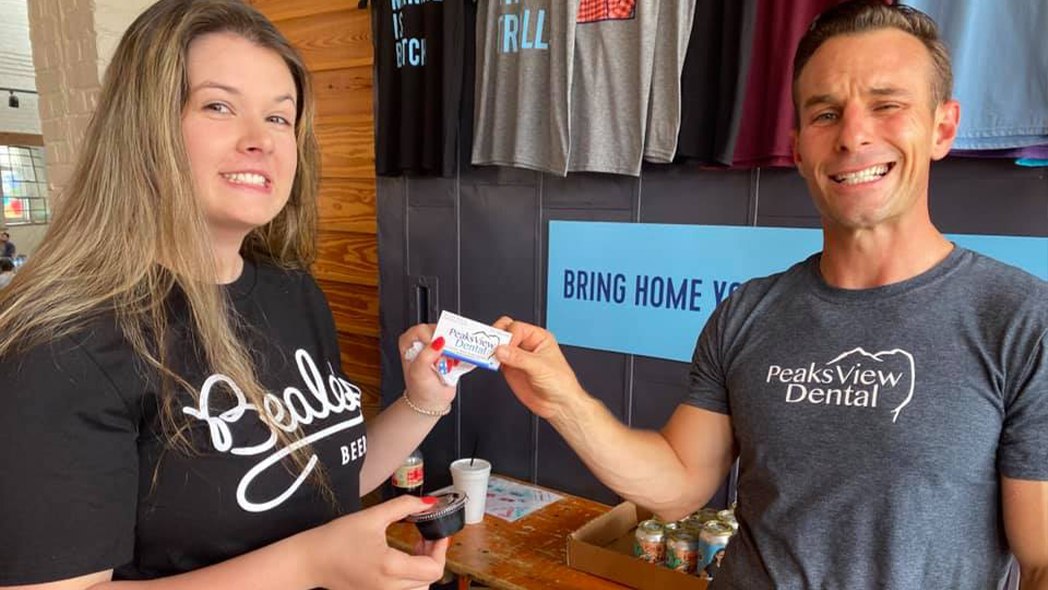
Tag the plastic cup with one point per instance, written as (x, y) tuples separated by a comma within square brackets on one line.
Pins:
[(443, 519), (472, 480)]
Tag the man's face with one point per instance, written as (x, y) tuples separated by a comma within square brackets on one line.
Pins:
[(867, 130)]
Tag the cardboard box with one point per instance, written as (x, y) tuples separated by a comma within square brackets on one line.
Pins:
[(604, 547)]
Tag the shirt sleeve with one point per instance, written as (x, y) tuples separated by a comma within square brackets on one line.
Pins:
[(707, 387), (69, 464), (1023, 449)]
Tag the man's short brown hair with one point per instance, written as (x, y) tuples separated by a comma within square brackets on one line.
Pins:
[(861, 16)]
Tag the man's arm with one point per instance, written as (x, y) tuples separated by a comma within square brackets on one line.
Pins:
[(671, 472), (1025, 507)]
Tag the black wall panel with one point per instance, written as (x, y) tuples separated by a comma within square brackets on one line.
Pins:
[(483, 237), (431, 218), (679, 194), (989, 197), (392, 283), (498, 279)]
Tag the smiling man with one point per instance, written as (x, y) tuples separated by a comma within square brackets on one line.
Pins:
[(887, 399)]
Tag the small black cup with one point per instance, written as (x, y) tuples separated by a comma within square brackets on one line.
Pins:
[(443, 519)]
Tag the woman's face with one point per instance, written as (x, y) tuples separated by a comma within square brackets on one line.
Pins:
[(239, 129)]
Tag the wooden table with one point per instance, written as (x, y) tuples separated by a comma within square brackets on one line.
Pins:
[(528, 553)]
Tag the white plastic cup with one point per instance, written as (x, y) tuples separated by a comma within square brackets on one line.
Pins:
[(472, 480)]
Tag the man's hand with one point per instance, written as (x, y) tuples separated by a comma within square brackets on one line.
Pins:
[(535, 368)]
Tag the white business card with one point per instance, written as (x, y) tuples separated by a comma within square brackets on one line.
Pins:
[(470, 341)]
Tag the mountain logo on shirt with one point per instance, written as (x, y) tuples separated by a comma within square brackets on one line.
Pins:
[(321, 399), (854, 379)]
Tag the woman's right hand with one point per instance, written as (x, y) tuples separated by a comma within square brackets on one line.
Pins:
[(351, 551)]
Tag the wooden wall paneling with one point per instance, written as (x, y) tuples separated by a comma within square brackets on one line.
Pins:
[(347, 149), (347, 204), (344, 95), (279, 10), (347, 257), (360, 358), (355, 307), (333, 40)]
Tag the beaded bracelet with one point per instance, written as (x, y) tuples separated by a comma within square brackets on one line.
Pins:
[(424, 411)]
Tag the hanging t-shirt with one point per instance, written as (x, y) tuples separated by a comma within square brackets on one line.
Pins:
[(713, 82), (767, 116), (621, 47), (90, 483), (664, 104), (1000, 69), (1032, 152), (419, 47), (524, 69), (464, 137)]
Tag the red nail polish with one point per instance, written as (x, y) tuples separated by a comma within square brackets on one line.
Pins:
[(437, 344), (429, 500)]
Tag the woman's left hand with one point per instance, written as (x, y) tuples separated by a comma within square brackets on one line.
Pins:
[(421, 380)]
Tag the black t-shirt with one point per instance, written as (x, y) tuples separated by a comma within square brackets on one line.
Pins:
[(420, 55), (90, 483), (713, 81)]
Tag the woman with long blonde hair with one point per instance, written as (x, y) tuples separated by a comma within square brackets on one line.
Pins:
[(174, 408)]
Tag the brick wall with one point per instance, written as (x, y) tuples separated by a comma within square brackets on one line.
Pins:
[(16, 70), (72, 41)]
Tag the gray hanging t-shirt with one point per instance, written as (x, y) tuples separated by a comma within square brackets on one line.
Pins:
[(873, 425), (524, 69)]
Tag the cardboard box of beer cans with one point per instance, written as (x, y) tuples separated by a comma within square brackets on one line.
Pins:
[(604, 547)]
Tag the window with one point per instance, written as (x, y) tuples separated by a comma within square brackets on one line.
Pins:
[(23, 185)]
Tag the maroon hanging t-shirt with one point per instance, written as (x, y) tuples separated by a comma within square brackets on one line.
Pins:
[(764, 137)]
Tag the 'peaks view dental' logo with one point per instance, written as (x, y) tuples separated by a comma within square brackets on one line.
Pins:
[(478, 343), (856, 379)]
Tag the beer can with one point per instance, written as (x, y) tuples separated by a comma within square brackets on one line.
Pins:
[(728, 518), (712, 542), (682, 551), (648, 542), (704, 515)]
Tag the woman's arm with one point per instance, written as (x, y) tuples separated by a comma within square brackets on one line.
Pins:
[(349, 552), (399, 429)]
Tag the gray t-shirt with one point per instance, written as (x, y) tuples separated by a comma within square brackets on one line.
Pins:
[(664, 104), (524, 66), (873, 425), (625, 87)]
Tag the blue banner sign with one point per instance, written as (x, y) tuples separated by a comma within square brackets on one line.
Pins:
[(648, 289)]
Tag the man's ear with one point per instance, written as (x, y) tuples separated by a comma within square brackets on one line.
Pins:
[(795, 148), (947, 119)]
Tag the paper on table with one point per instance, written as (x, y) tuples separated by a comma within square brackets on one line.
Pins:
[(510, 500)]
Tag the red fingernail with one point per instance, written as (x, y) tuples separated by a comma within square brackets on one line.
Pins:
[(429, 500), (437, 344)]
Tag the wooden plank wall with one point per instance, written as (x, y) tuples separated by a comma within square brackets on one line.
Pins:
[(334, 37)]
